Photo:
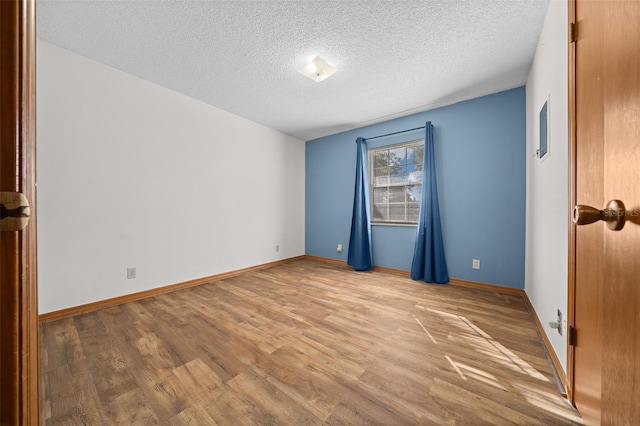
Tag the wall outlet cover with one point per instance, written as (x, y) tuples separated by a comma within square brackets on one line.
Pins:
[(131, 273)]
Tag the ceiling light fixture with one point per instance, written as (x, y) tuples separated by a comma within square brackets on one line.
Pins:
[(317, 70)]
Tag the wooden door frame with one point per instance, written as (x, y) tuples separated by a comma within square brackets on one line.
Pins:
[(19, 379), (571, 296)]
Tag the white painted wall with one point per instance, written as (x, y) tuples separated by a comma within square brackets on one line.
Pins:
[(547, 180), (131, 174)]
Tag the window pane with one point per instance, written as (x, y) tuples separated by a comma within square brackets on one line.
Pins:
[(380, 212), (381, 180), (381, 171), (396, 194), (396, 212), (381, 158), (415, 154), (398, 155), (380, 195), (399, 178), (381, 176), (397, 160), (413, 211), (414, 192), (414, 173)]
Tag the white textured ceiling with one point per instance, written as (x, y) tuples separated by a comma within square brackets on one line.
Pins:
[(393, 57)]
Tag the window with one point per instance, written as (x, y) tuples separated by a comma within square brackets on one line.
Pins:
[(396, 182)]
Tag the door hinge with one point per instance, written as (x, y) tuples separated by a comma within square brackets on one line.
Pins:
[(572, 335), (573, 34), (14, 211)]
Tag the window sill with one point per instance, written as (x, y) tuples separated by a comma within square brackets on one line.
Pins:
[(413, 225)]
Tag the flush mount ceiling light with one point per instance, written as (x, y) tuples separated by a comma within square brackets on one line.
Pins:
[(317, 70)]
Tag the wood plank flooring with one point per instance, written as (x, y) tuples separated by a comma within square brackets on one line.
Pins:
[(302, 343)]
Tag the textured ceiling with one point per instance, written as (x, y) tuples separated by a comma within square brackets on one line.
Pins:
[(393, 57)]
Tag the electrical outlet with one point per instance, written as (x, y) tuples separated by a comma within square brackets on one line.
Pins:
[(277, 248), (131, 273), (476, 264), (339, 248)]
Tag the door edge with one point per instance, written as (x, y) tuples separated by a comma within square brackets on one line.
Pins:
[(571, 269)]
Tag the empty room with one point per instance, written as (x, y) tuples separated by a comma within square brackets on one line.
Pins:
[(320, 212)]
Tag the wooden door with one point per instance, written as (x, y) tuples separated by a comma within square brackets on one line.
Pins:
[(18, 298), (605, 368)]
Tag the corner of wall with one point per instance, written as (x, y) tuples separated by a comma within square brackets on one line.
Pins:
[(547, 211), (166, 183)]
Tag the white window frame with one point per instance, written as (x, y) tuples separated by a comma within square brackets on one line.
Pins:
[(373, 185)]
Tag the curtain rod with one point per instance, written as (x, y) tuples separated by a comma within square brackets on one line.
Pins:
[(395, 133)]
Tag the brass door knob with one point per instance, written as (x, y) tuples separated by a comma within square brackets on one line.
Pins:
[(614, 215)]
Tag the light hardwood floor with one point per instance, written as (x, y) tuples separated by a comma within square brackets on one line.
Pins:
[(302, 343)]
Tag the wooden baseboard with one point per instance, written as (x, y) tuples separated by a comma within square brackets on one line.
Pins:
[(325, 259), (452, 281), (75, 310), (484, 286), (392, 271), (551, 353), (344, 263)]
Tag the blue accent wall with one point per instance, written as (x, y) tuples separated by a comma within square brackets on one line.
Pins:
[(480, 157)]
